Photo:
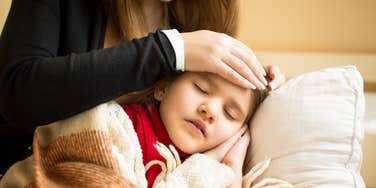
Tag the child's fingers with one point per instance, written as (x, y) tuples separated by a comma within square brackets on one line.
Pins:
[(220, 151), (236, 155), (240, 147), (230, 142)]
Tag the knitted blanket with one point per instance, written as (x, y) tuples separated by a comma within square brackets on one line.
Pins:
[(82, 151), (99, 148)]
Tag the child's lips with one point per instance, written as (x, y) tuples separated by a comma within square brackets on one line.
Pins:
[(200, 125)]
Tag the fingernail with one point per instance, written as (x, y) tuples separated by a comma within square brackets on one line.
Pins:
[(261, 86), (251, 86), (263, 72), (264, 80)]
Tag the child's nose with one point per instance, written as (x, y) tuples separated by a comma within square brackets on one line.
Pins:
[(207, 113)]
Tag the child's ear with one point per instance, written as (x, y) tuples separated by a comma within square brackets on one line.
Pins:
[(159, 93)]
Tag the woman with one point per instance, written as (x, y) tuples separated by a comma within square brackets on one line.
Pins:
[(59, 58)]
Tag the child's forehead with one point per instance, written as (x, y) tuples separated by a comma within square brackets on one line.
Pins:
[(232, 90), (218, 81), (208, 76)]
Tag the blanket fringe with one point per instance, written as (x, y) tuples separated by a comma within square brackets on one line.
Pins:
[(259, 169), (172, 161)]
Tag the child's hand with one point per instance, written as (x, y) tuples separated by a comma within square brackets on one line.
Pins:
[(228, 150), (235, 157), (232, 153)]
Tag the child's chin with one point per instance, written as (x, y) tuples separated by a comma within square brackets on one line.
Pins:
[(192, 151), (187, 149)]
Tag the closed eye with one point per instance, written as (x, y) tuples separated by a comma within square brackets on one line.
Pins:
[(229, 115), (202, 90)]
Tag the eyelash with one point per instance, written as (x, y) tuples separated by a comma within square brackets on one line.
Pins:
[(200, 89), (229, 115)]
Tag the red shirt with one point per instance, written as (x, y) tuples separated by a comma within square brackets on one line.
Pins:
[(150, 130)]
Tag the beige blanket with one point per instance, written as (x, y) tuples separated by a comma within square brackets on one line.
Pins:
[(99, 148)]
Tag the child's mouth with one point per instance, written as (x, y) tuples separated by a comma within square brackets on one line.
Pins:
[(199, 126)]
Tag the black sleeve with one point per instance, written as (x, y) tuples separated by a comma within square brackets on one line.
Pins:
[(38, 86)]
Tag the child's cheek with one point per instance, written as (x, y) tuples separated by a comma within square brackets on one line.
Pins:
[(191, 98)]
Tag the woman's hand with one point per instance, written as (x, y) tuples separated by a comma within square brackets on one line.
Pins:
[(275, 76), (208, 51)]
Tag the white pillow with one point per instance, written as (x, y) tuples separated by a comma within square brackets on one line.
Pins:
[(311, 128)]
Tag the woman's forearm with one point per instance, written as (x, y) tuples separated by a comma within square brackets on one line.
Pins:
[(38, 90), (48, 72)]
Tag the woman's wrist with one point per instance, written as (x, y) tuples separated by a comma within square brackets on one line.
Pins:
[(177, 44)]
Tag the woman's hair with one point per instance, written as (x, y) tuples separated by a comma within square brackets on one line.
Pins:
[(127, 18)]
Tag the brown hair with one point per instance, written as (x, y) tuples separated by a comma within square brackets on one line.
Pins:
[(146, 95), (258, 97), (127, 18)]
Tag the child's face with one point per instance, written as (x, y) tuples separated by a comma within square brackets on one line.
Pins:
[(201, 110)]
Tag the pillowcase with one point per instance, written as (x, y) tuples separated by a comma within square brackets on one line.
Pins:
[(311, 128)]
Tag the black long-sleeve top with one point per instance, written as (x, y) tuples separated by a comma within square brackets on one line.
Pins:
[(53, 64)]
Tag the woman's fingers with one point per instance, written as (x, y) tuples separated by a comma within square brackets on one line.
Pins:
[(207, 51), (232, 75), (252, 57), (276, 77), (277, 82), (257, 70), (272, 71), (243, 52), (243, 70)]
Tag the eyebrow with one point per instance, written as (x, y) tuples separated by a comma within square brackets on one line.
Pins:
[(233, 102)]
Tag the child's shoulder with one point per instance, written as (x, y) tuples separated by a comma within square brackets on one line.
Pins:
[(135, 111), (133, 107)]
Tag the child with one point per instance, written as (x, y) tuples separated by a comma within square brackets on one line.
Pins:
[(199, 116), (195, 113)]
